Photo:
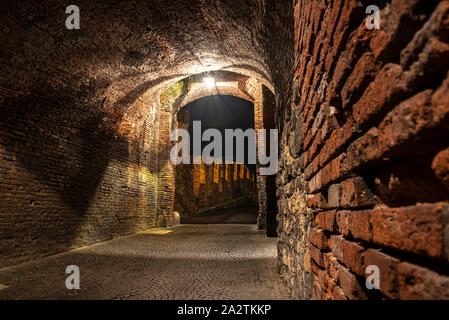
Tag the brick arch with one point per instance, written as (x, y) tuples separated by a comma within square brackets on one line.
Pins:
[(202, 92), (263, 98), (125, 105), (226, 83)]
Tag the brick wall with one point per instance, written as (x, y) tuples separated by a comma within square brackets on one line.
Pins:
[(65, 184), (364, 161), (201, 187)]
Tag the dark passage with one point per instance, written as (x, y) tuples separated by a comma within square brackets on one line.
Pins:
[(217, 193), (222, 112)]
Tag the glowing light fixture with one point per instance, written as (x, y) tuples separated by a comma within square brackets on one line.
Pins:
[(209, 82)]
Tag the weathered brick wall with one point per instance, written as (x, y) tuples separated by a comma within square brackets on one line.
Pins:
[(364, 163), (201, 187), (65, 184)]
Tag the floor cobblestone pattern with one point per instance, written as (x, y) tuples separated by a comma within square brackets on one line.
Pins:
[(185, 262)]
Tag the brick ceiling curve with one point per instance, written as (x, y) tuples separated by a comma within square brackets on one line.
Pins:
[(126, 50)]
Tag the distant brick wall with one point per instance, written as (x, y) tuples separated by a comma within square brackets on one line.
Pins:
[(367, 135), (200, 186)]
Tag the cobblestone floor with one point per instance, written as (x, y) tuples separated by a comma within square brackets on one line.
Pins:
[(186, 262)]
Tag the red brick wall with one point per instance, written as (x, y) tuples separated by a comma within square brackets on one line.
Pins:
[(202, 187), (369, 120), (64, 185)]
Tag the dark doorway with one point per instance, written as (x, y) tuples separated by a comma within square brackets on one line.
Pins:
[(222, 112), (232, 199)]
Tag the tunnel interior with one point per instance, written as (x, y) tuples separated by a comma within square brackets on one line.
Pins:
[(361, 114), (219, 186)]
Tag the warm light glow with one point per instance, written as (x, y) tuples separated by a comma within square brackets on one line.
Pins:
[(209, 82)]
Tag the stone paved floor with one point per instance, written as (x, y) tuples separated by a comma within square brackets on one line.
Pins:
[(189, 262)]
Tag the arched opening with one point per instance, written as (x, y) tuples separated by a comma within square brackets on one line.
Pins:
[(237, 85), (220, 192)]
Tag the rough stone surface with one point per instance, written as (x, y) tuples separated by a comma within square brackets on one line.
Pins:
[(440, 166)]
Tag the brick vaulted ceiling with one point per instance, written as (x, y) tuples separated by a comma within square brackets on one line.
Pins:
[(127, 49)]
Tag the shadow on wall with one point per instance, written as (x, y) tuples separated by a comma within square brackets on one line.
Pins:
[(56, 140), (64, 183)]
